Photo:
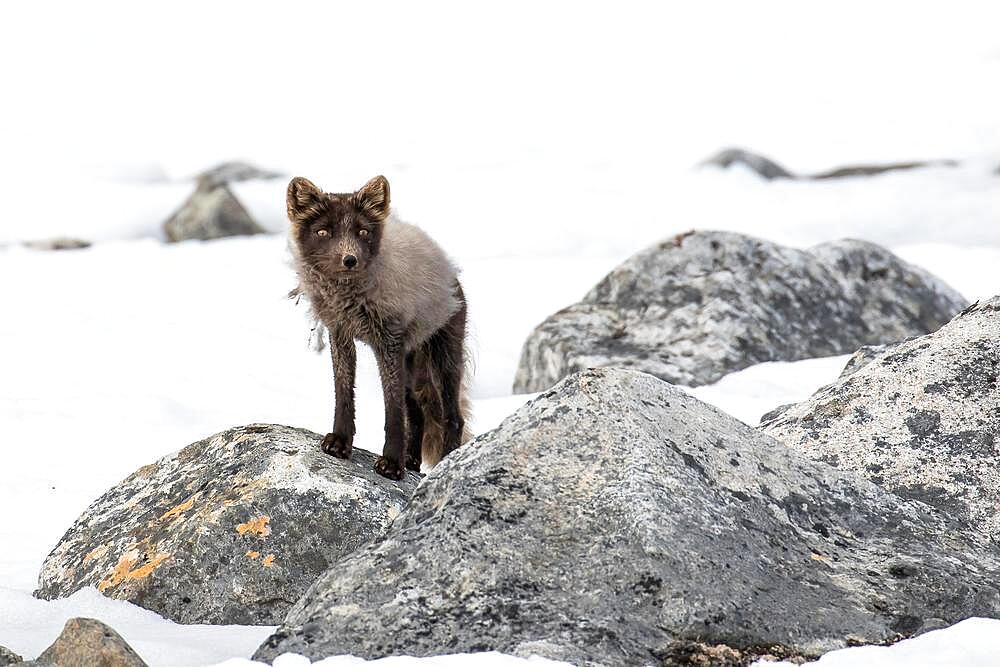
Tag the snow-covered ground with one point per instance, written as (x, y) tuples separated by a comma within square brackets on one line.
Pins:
[(541, 144)]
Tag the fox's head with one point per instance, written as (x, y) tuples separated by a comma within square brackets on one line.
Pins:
[(338, 234)]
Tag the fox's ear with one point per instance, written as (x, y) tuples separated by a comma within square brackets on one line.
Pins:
[(373, 198), (303, 199)]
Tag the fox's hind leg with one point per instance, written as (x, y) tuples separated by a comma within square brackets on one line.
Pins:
[(415, 432)]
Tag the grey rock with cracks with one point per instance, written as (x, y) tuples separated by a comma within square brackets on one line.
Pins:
[(704, 304), (616, 520)]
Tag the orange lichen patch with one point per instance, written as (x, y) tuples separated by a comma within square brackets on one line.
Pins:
[(123, 570), (256, 527), (179, 509), (96, 552), (253, 554), (268, 561)]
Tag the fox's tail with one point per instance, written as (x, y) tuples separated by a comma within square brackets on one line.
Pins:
[(433, 444), (446, 363)]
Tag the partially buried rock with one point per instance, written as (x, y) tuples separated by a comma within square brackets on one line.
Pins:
[(234, 172), (231, 529), (85, 642), (58, 243), (764, 167), (769, 170), (921, 418), (615, 520), (211, 212), (854, 170), (704, 304)]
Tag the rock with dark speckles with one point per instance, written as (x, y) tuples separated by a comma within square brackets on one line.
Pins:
[(704, 304), (85, 642), (922, 418), (606, 523), (231, 529), (211, 212), (8, 657)]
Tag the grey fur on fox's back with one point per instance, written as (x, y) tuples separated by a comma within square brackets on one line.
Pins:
[(373, 278)]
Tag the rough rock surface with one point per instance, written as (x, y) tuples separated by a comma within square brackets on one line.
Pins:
[(859, 359), (211, 212), (764, 167), (8, 657), (922, 419), (704, 304), (231, 529), (615, 520), (85, 642)]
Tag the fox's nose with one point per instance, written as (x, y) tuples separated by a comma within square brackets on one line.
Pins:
[(350, 261)]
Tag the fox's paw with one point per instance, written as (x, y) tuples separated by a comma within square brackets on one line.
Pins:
[(389, 468), (337, 445), (412, 464)]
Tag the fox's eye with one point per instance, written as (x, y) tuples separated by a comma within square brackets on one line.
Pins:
[(363, 233), (322, 232)]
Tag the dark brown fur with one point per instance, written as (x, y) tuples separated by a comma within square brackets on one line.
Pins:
[(388, 285)]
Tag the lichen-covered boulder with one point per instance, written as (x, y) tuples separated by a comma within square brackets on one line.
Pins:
[(616, 520), (86, 642), (704, 304), (921, 418), (231, 529)]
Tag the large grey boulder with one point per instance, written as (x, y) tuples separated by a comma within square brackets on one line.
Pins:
[(704, 304), (615, 520), (86, 642), (231, 529), (921, 418)]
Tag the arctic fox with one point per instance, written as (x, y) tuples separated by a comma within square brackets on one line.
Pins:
[(375, 279)]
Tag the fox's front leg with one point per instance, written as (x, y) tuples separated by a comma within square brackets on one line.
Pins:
[(392, 368), (341, 440)]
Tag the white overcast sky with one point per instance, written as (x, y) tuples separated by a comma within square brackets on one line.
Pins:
[(182, 84)]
